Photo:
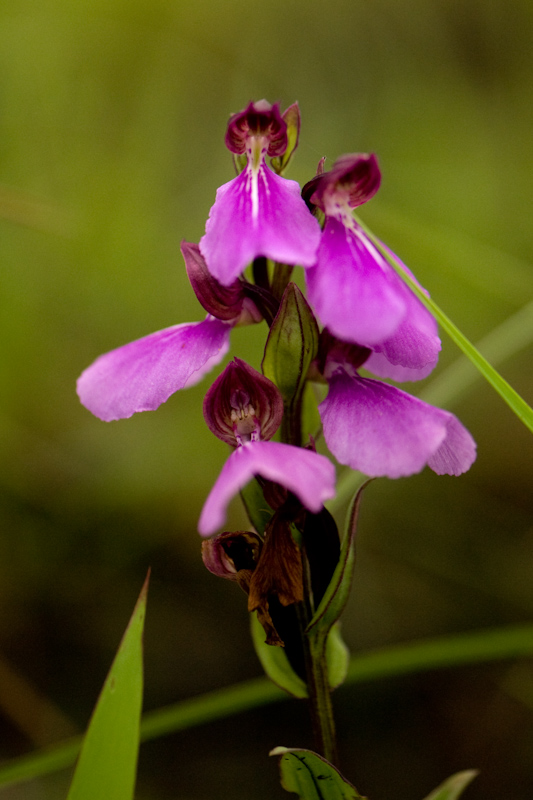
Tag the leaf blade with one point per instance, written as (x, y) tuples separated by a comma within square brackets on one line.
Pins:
[(107, 763), (311, 777), (454, 786)]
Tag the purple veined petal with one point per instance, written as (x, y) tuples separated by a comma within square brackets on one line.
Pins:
[(383, 431), (412, 351), (353, 290), (258, 214), (310, 476), (457, 453), (142, 375)]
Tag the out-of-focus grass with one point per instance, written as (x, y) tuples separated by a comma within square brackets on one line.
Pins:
[(111, 148)]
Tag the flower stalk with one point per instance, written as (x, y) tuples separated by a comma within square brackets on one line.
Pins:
[(319, 693)]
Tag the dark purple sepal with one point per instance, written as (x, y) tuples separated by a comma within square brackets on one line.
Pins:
[(354, 178), (259, 119), (242, 405), (333, 351), (233, 556), (230, 303)]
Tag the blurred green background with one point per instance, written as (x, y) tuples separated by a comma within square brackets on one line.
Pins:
[(112, 119)]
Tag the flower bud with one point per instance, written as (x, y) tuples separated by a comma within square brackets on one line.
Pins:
[(233, 556), (242, 405)]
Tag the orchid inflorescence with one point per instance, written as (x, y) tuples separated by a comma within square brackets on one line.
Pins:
[(358, 314)]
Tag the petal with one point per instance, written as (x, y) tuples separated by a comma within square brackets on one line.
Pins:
[(310, 476), (412, 352), (258, 214), (380, 430), (353, 290), (143, 374), (457, 453)]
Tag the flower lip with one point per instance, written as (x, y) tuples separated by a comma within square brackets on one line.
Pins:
[(242, 405), (259, 119), (355, 177), (308, 475), (382, 431)]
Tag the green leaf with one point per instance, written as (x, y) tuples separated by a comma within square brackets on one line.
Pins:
[(444, 652), (312, 777), (336, 595), (275, 662), (512, 398), (108, 760), (337, 657), (453, 788)]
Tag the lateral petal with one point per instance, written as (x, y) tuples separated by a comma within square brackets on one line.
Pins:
[(142, 375)]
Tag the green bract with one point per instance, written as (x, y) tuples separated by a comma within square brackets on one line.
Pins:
[(291, 346)]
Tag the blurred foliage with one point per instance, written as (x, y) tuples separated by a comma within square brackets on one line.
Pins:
[(111, 148)]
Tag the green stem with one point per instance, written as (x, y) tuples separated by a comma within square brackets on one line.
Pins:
[(320, 706)]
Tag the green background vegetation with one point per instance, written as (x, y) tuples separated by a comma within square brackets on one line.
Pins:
[(112, 118)]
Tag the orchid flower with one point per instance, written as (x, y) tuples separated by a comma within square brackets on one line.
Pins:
[(142, 375), (381, 430), (258, 213), (351, 286), (244, 409)]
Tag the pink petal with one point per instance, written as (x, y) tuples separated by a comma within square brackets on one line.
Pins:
[(353, 290), (143, 374), (258, 214), (457, 452), (412, 352), (380, 430), (310, 476)]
